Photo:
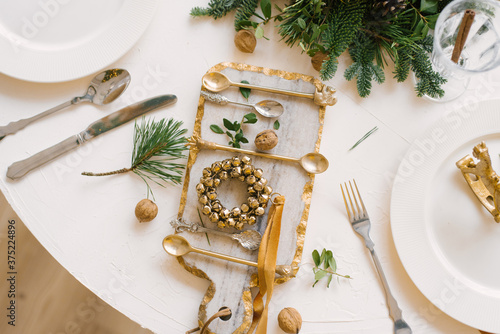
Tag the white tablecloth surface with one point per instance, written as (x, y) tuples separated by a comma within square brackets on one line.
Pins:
[(88, 225)]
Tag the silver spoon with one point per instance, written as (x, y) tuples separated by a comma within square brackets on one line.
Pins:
[(267, 108), (178, 246), (103, 89), (249, 239), (314, 163)]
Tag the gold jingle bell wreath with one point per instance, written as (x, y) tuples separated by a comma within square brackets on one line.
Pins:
[(243, 170)]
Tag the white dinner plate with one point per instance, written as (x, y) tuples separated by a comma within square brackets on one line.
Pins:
[(447, 241), (60, 40)]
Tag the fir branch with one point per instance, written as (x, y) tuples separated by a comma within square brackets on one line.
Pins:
[(244, 12), (402, 63), (429, 82), (343, 23), (362, 52), (216, 8), (156, 146)]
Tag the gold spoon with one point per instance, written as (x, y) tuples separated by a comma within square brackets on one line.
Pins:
[(104, 88), (178, 246), (314, 163), (217, 82)]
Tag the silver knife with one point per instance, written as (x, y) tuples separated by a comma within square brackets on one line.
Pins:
[(122, 116)]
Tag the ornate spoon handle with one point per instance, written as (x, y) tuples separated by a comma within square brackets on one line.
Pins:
[(249, 239), (203, 144), (215, 98)]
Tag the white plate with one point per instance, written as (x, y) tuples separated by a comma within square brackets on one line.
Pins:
[(448, 243), (60, 40)]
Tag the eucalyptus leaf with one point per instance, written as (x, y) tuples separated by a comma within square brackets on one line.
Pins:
[(328, 258), (332, 264), (245, 91), (228, 124), (216, 129), (429, 6), (322, 257), (259, 33), (320, 274), (301, 23), (250, 116), (265, 5), (276, 125), (236, 126), (431, 20), (316, 258), (244, 140), (329, 280)]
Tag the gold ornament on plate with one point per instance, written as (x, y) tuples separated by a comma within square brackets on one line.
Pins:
[(482, 179)]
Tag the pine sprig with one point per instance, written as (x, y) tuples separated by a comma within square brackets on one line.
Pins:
[(157, 145), (343, 23), (362, 52), (216, 8)]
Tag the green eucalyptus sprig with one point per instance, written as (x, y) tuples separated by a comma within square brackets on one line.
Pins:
[(329, 266), (234, 129)]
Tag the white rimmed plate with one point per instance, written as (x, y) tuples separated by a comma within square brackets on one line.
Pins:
[(448, 243), (61, 40)]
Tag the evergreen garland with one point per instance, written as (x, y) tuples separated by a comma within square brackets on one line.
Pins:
[(373, 31)]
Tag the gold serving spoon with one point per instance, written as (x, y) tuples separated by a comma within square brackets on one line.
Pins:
[(178, 246), (314, 163), (217, 82)]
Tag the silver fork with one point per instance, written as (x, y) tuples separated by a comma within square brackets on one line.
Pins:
[(358, 216)]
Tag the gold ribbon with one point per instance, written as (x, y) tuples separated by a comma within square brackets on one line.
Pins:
[(224, 313), (268, 252)]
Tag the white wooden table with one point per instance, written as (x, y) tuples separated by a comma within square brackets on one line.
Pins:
[(88, 225)]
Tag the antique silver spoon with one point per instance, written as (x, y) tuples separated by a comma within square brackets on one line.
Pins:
[(178, 246), (267, 108), (249, 239), (103, 89)]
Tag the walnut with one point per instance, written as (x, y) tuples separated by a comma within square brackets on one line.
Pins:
[(317, 60), (289, 320), (245, 41), (146, 210), (266, 140)]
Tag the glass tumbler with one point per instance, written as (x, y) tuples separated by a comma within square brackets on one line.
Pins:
[(481, 51)]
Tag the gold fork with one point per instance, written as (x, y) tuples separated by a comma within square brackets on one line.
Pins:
[(358, 216)]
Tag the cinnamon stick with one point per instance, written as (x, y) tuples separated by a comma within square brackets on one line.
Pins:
[(463, 32)]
